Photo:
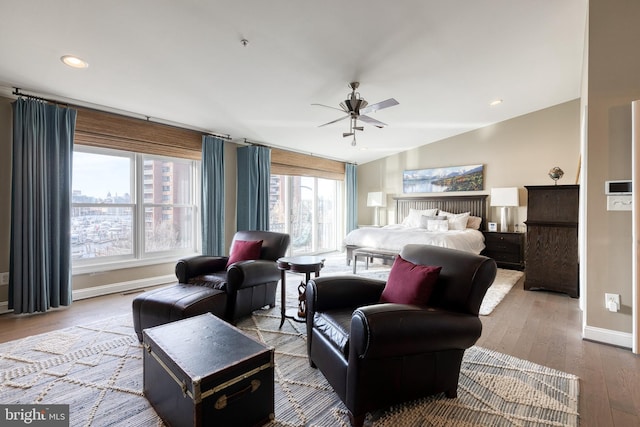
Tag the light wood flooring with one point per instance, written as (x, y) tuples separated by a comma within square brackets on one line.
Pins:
[(541, 327)]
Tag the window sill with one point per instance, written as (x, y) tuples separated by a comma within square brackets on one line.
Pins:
[(121, 265)]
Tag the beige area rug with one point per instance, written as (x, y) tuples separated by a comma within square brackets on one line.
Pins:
[(335, 264), (97, 370)]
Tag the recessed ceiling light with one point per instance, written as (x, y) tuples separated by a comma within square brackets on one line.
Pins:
[(495, 102), (74, 61)]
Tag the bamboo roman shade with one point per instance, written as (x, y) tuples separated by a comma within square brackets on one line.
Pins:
[(107, 130), (290, 163)]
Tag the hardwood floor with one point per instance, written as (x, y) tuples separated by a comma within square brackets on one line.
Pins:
[(545, 328), (542, 327)]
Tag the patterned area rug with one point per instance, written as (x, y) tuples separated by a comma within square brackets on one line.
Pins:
[(335, 264), (97, 370)]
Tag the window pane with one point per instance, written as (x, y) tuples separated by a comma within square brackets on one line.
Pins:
[(167, 181), (302, 192), (277, 204), (122, 215), (168, 228), (327, 214), (101, 231), (307, 208), (101, 178)]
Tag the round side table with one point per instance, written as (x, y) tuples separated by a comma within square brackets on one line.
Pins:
[(305, 264)]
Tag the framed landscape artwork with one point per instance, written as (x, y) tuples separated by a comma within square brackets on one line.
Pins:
[(437, 180)]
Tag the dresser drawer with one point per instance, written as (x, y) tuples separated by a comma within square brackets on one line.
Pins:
[(507, 249), (513, 257), (503, 242)]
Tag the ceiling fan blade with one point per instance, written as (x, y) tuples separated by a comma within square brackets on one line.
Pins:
[(379, 106), (372, 121), (327, 106), (334, 121)]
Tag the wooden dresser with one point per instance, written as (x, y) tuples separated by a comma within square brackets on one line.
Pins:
[(551, 256)]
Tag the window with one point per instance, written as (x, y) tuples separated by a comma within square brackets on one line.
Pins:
[(132, 206), (309, 209)]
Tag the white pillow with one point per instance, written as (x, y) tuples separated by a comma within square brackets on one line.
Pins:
[(424, 220), (437, 225), (456, 221), (413, 219)]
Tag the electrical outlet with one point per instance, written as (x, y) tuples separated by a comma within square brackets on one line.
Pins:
[(610, 299), (4, 278)]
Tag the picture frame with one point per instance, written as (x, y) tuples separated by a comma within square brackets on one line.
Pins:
[(437, 180), (492, 226)]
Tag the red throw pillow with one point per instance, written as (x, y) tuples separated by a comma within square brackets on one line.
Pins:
[(243, 250), (410, 283)]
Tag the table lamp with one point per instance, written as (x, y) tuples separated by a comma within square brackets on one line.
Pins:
[(504, 198), (376, 199)]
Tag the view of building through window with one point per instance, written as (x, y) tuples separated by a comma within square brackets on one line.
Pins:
[(105, 208), (307, 208)]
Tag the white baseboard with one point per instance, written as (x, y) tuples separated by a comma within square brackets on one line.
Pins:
[(608, 336), (4, 307), (114, 288)]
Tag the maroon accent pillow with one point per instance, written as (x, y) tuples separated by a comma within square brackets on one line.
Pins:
[(410, 283), (243, 250)]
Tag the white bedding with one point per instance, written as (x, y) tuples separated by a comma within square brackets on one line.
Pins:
[(394, 237)]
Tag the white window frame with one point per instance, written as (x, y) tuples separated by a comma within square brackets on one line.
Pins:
[(140, 257)]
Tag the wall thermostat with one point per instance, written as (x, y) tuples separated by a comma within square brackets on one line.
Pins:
[(618, 195), (618, 187)]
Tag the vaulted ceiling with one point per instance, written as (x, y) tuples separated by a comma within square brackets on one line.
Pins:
[(184, 62)]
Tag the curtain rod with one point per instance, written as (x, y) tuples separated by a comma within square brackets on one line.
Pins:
[(256, 144), (18, 92), (291, 150)]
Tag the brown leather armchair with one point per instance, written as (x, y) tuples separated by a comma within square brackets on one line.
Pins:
[(375, 355), (249, 285)]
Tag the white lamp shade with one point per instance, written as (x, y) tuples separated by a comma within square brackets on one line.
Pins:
[(376, 198), (507, 196)]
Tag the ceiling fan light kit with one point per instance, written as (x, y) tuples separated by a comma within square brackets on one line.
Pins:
[(356, 108)]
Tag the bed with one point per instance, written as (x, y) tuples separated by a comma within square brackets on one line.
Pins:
[(416, 224)]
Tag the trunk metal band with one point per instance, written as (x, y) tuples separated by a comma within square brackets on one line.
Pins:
[(182, 384), (200, 396), (236, 379)]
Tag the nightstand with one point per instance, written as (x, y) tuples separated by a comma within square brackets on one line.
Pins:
[(507, 249)]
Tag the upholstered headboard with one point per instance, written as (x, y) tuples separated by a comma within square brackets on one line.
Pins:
[(476, 204)]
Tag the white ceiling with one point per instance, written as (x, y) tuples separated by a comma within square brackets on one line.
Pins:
[(183, 62)]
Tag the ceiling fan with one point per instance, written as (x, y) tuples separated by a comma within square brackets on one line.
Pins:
[(357, 108)]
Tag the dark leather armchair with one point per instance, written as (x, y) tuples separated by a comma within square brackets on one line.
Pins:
[(249, 285), (375, 355)]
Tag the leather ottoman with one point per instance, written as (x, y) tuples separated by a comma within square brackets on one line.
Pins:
[(176, 302), (202, 371)]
